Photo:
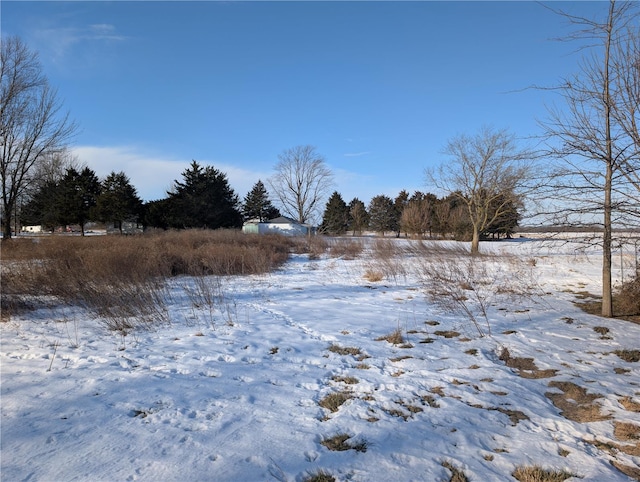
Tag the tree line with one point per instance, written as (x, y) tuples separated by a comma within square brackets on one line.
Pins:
[(203, 198), (419, 215)]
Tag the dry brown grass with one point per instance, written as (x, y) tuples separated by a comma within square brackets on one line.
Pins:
[(525, 367), (319, 476), (334, 401), (345, 248), (575, 403), (122, 278), (630, 356), (339, 443), (631, 471), (395, 337), (457, 475), (538, 474), (342, 350), (387, 260), (629, 404)]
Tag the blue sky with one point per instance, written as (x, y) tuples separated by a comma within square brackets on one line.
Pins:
[(377, 87)]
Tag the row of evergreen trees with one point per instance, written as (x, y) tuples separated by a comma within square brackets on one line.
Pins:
[(419, 215), (203, 198)]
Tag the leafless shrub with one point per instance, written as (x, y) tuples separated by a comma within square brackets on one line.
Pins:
[(122, 280), (345, 248), (314, 246), (387, 259), (469, 285)]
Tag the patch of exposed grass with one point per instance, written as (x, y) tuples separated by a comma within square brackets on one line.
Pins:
[(447, 333), (575, 403), (319, 476), (535, 473), (525, 367), (630, 356), (343, 379), (603, 331), (626, 431), (457, 475), (340, 350), (514, 415), (629, 404), (400, 358), (334, 401), (339, 443), (631, 471), (429, 400), (373, 275), (395, 337), (472, 351)]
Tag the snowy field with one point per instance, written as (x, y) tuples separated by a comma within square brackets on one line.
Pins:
[(243, 393)]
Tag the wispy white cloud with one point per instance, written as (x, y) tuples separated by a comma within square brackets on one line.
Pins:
[(356, 154), (153, 175), (61, 43)]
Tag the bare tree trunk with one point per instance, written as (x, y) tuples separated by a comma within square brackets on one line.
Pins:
[(475, 242), (607, 295)]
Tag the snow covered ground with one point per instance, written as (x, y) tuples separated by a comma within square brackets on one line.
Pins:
[(237, 395)]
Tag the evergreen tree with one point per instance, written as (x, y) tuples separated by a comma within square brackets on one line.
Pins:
[(78, 194), (203, 199), (43, 207), (155, 213), (118, 201), (507, 220), (400, 202), (257, 204), (382, 214), (358, 216), (335, 219)]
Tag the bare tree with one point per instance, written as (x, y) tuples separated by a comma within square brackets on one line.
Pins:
[(625, 63), (487, 173), (598, 158), (301, 182), (32, 125)]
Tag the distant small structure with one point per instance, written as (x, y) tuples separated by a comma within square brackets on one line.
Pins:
[(280, 225), (32, 229)]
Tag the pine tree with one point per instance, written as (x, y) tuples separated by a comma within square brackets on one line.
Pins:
[(335, 219), (257, 204), (43, 207), (118, 201), (78, 194), (382, 214), (203, 199)]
